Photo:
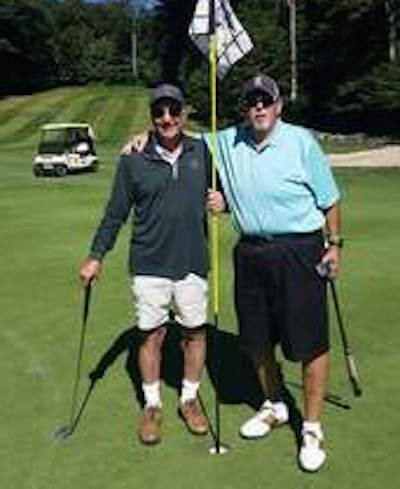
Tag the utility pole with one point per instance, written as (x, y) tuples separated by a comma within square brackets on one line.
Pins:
[(293, 49), (134, 43), (390, 9)]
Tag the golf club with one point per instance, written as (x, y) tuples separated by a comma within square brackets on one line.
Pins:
[(66, 431), (324, 270)]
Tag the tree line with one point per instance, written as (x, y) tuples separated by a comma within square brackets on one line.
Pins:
[(338, 62)]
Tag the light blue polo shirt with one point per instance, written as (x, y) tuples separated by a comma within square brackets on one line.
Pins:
[(284, 188)]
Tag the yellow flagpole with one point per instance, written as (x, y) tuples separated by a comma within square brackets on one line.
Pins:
[(214, 219)]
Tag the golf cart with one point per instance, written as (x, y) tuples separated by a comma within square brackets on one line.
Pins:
[(65, 148)]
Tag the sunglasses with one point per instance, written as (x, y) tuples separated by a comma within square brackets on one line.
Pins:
[(253, 99), (173, 107)]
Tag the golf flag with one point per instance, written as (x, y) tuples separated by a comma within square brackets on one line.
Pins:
[(232, 41)]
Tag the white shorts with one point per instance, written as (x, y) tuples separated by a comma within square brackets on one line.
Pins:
[(155, 295)]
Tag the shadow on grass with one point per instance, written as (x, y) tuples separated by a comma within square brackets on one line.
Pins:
[(230, 371)]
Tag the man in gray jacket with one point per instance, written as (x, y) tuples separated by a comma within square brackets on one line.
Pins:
[(166, 186)]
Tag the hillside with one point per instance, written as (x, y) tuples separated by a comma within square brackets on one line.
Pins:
[(114, 113)]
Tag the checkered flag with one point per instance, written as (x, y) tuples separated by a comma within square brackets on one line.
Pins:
[(233, 42)]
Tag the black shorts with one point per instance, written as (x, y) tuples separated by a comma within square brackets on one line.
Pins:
[(279, 297)]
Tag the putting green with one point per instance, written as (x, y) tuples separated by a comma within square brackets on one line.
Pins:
[(46, 228)]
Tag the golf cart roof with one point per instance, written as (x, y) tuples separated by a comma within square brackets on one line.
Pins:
[(67, 126), (64, 125)]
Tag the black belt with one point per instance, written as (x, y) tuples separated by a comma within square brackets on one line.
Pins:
[(284, 237)]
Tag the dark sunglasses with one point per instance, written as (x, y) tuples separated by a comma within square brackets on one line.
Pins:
[(253, 99), (173, 106)]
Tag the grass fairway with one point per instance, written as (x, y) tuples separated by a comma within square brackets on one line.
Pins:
[(46, 228)]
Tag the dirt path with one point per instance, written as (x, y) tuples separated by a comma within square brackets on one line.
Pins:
[(385, 157)]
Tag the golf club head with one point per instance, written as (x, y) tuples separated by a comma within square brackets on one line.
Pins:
[(353, 375), (63, 433), (356, 388)]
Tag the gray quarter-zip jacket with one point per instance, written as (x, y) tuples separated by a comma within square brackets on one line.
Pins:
[(169, 215)]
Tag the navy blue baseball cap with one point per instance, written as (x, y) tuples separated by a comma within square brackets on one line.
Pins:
[(166, 90)]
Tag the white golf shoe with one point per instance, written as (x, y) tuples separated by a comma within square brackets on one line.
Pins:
[(311, 455), (269, 416)]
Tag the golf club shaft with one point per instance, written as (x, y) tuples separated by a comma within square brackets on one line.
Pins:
[(350, 363), (80, 352), (75, 422)]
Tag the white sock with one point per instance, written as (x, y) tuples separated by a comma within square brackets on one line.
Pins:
[(313, 427), (267, 403), (151, 391), (189, 390)]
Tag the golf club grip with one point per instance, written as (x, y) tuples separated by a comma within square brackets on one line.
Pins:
[(88, 289), (353, 375)]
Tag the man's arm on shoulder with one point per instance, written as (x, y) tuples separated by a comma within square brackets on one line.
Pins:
[(137, 142)]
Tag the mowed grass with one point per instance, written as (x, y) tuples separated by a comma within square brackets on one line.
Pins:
[(46, 228)]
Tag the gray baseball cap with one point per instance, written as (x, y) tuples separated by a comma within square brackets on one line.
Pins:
[(262, 83), (166, 90)]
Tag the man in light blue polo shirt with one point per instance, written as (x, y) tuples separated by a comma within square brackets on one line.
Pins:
[(281, 193)]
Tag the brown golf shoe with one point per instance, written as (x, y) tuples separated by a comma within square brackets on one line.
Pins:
[(193, 416), (150, 421)]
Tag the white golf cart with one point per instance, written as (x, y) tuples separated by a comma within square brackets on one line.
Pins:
[(65, 148)]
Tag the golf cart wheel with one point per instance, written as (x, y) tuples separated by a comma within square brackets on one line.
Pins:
[(60, 171), (94, 168), (38, 171)]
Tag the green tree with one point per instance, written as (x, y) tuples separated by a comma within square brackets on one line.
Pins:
[(97, 64), (27, 46), (74, 35), (93, 41), (173, 17), (346, 41), (112, 21)]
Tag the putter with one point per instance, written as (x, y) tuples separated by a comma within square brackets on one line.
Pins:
[(65, 432), (324, 271)]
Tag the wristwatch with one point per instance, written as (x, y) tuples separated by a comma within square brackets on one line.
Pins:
[(335, 240)]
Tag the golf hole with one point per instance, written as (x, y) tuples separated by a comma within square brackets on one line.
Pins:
[(223, 449)]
